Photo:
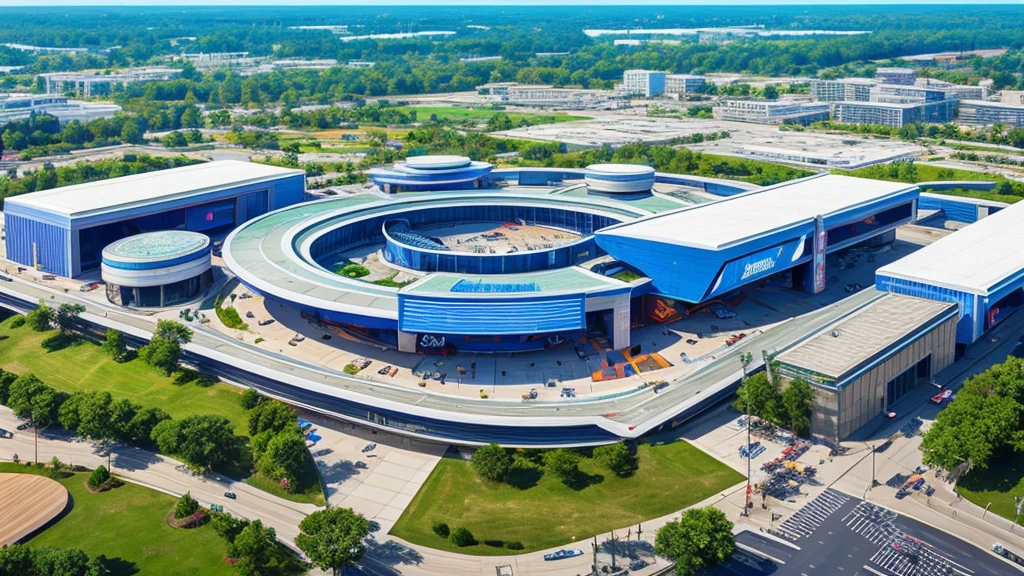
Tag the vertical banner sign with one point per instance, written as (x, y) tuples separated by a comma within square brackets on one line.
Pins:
[(820, 237)]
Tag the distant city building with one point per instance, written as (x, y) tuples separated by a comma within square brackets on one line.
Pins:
[(894, 114), (771, 111), (684, 83), (544, 95), (44, 49), (844, 159), (982, 113), (961, 91), (644, 83), (19, 106), (847, 89), (1015, 97), (903, 94), (904, 76), (360, 64), (221, 60), (480, 59), (98, 84)]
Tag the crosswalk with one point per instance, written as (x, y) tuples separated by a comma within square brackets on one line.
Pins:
[(898, 555), (807, 519)]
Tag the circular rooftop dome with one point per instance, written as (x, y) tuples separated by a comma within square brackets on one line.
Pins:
[(619, 178), (438, 162), (159, 247)]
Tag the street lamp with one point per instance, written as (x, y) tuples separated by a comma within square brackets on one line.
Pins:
[(744, 361)]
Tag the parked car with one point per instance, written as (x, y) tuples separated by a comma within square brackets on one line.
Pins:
[(231, 495), (24, 426), (88, 286), (249, 314), (266, 322)]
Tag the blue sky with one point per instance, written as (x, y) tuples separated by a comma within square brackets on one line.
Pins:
[(384, 3)]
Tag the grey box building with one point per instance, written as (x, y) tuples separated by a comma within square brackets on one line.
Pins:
[(982, 113), (894, 114), (862, 364)]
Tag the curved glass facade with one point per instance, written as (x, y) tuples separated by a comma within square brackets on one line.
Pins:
[(371, 231)]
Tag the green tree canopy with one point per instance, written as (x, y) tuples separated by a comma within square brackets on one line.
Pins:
[(617, 458), (563, 463), (701, 538), (333, 538), (492, 462), (798, 401), (114, 345)]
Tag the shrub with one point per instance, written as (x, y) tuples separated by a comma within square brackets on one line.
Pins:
[(461, 537), (186, 506), (350, 369), (250, 398), (230, 318), (440, 528), (353, 271), (514, 545), (258, 340), (492, 462), (617, 458), (18, 322), (189, 376), (99, 477)]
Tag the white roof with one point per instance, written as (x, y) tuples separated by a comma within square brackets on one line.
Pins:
[(973, 259), (140, 189), (736, 219)]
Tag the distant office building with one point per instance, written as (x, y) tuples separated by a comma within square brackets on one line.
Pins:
[(99, 84), (544, 95), (902, 94), (904, 76), (221, 60), (982, 113), (894, 114), (847, 89), (771, 111), (1015, 97), (684, 84), (19, 106), (360, 64), (644, 83), (961, 91)]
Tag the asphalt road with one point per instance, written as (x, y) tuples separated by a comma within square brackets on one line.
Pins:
[(840, 534)]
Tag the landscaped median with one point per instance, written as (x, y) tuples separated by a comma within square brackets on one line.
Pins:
[(538, 509)]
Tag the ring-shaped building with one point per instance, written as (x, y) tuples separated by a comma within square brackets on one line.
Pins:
[(157, 268)]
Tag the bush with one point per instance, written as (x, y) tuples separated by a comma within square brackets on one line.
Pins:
[(461, 537), (230, 318), (514, 545), (353, 271), (440, 528), (189, 376), (350, 369), (258, 340), (492, 462), (186, 506), (617, 458), (18, 322), (250, 398), (99, 477)]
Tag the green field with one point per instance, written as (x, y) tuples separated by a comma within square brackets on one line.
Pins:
[(929, 173), (128, 526), (455, 113), (541, 512), (84, 367), (998, 484)]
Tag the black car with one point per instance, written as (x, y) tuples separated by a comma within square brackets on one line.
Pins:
[(24, 426), (230, 495), (265, 322)]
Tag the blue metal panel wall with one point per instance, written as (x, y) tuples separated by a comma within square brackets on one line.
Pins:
[(469, 263), (958, 211), (287, 191), (489, 316), (759, 265), (971, 324), (52, 244)]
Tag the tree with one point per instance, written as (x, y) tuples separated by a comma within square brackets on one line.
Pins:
[(205, 441), (98, 477), (617, 458), (167, 436), (285, 456), (771, 92), (140, 427), (16, 559), (161, 353), (563, 463), (701, 538), (186, 506), (760, 397), (67, 317), (271, 415), (40, 319), (227, 526), (797, 400), (492, 462), (253, 547), (22, 390), (94, 416), (115, 345), (333, 538), (250, 398), (171, 330)]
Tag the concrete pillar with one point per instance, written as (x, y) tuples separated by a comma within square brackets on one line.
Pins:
[(620, 319), (407, 342)]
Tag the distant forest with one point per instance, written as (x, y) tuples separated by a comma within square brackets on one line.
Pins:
[(133, 36)]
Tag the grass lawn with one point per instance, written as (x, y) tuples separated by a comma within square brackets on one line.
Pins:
[(313, 494), (542, 512), (128, 526), (928, 173), (84, 367), (998, 484)]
